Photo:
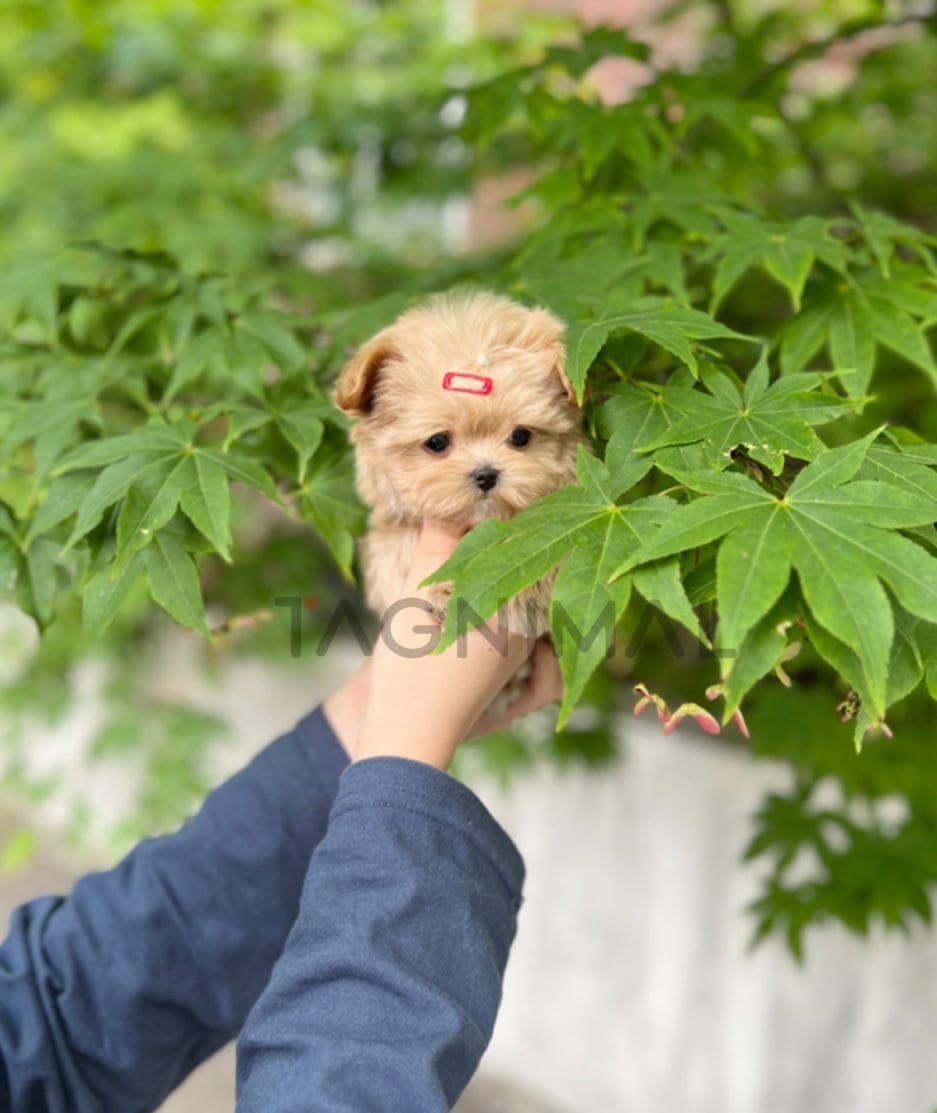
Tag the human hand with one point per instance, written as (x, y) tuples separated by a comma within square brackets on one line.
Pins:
[(408, 702)]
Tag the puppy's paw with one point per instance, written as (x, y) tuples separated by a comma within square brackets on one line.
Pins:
[(512, 691), (526, 614), (438, 596)]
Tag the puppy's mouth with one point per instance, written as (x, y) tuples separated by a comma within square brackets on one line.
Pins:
[(491, 504)]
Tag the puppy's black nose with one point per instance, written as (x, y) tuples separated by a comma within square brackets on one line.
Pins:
[(485, 478)]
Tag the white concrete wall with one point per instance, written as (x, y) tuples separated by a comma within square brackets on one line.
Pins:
[(631, 989)]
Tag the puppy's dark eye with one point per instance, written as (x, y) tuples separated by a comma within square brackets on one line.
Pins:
[(520, 438), (438, 442)]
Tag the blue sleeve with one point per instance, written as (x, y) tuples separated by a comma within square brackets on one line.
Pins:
[(111, 996), (386, 993)]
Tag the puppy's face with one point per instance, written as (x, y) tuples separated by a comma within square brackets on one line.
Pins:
[(465, 412)]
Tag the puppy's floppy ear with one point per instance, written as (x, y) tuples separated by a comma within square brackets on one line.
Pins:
[(559, 369), (546, 332), (354, 391)]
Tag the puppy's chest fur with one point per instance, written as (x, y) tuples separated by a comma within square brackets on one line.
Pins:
[(386, 554)]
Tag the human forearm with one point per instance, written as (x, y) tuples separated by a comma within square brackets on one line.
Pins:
[(386, 994), (110, 996)]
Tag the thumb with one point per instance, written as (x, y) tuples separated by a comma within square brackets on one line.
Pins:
[(436, 543)]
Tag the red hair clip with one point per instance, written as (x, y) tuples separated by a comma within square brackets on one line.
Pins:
[(467, 382)]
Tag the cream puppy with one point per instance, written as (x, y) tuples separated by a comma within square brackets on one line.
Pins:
[(464, 413)]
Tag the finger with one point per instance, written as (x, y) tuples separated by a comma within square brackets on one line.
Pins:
[(546, 680), (544, 686), (522, 706)]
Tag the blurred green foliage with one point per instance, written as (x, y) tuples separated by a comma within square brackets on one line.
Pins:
[(204, 206)]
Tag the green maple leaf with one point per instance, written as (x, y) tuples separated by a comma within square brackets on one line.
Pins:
[(232, 357), (148, 504), (661, 584), (900, 468), (149, 440), (205, 499), (112, 484), (837, 532), (152, 473), (200, 356), (856, 317), (642, 412), (328, 499), (883, 234), (51, 424), (585, 531), (905, 667), (242, 362), (241, 420), (190, 481), (303, 428), (852, 341), (584, 284), (638, 412), (733, 115), (498, 559), (58, 502), (680, 198), (926, 637), (671, 327), (581, 591), (37, 580), (787, 252), (107, 588), (272, 330), (618, 130), (174, 582), (242, 469), (907, 663), (761, 650), (30, 288), (768, 421)]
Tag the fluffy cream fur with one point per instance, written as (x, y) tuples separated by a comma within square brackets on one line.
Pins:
[(393, 386)]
